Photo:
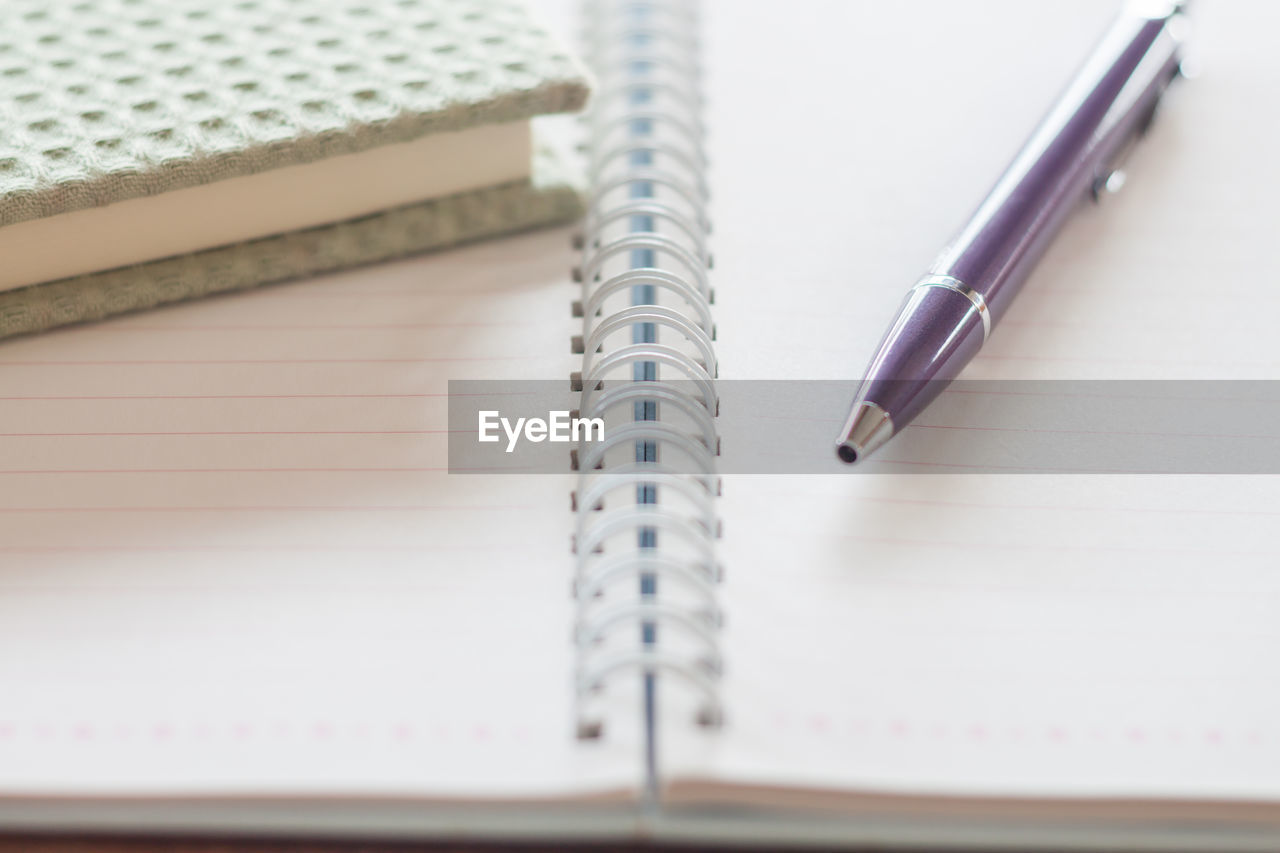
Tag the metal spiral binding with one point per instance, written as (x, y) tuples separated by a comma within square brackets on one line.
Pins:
[(646, 510)]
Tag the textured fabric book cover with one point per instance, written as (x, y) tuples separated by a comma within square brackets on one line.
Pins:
[(103, 101)]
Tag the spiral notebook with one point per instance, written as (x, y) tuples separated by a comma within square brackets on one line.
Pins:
[(240, 592)]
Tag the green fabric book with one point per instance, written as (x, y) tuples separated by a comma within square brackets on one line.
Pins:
[(153, 151)]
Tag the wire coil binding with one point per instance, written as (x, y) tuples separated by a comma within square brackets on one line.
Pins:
[(647, 521)]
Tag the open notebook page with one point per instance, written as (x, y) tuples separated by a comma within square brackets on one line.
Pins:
[(1021, 635), (232, 562)]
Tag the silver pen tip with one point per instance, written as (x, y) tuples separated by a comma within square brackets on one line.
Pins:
[(868, 427)]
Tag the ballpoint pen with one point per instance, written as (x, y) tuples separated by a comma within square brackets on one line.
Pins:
[(1073, 154)]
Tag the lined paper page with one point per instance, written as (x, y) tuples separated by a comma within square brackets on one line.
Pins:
[(1021, 635), (232, 561)]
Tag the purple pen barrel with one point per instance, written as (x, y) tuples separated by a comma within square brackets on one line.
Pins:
[(1070, 155), (949, 314)]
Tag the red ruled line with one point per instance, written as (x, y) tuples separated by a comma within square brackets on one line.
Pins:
[(836, 725), (318, 327), (82, 397), (294, 296), (232, 432), (1024, 468), (1135, 433), (234, 589), (210, 549), (991, 392), (17, 510), (1152, 361), (964, 466), (980, 507), (988, 545), (406, 470), (251, 361)]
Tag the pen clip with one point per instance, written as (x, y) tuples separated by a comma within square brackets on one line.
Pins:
[(1136, 108)]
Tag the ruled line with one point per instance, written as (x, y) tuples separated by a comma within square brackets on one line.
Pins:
[(1041, 547), (423, 396), (401, 470), (1133, 433), (414, 508), (199, 433), (1030, 469), (1146, 361), (813, 454), (1003, 392), (979, 506), (305, 327), (299, 295), (217, 549), (253, 361)]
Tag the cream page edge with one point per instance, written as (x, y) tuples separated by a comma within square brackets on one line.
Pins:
[(254, 206)]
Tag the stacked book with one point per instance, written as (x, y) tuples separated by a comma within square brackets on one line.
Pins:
[(153, 151)]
